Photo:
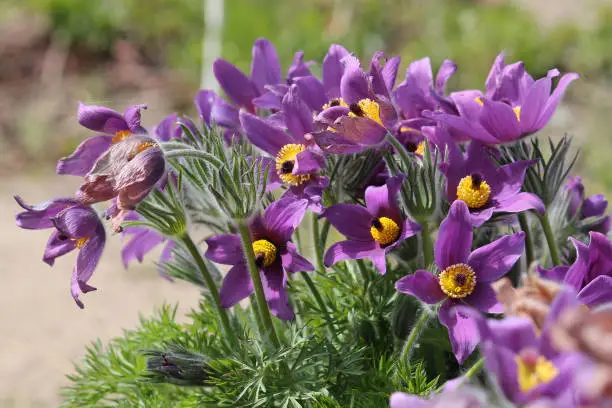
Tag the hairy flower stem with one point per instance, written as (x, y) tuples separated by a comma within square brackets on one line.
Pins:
[(318, 245), (267, 326), (550, 239), (475, 369), (427, 245), (522, 217), (416, 331), (210, 283)]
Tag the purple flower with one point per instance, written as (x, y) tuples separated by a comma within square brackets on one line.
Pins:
[(524, 361), (275, 255), (580, 207), (513, 107), (114, 127), (485, 187), (590, 274), (463, 398), (76, 226), (465, 276), (129, 171), (373, 230)]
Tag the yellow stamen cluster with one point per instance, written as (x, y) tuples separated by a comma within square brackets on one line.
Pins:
[(79, 242), (285, 160), (335, 102), (516, 109), (121, 135), (420, 150), (473, 191), (265, 252), (457, 281), (384, 230), (366, 108), (534, 373), (142, 147)]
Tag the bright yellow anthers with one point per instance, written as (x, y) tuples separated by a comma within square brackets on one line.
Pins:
[(366, 108), (285, 160), (516, 109), (384, 230), (121, 135), (473, 191), (265, 252), (536, 372), (335, 102), (142, 147), (457, 281), (420, 150), (79, 242)]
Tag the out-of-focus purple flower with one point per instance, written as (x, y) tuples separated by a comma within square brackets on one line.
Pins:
[(465, 276), (465, 397), (373, 230), (514, 106), (274, 252), (114, 127), (580, 207), (297, 159), (129, 171), (485, 187), (524, 361), (76, 226), (590, 274)]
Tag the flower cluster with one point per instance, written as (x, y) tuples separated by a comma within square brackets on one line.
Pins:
[(360, 153)]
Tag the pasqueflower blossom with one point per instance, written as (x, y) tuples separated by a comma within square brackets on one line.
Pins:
[(465, 276), (75, 226), (114, 127), (275, 255), (514, 105), (373, 230), (580, 207), (129, 171), (463, 398), (591, 272), (523, 359), (485, 187)]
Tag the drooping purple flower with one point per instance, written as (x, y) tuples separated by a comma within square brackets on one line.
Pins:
[(580, 207), (129, 171), (485, 187), (465, 276), (114, 127), (373, 230), (590, 274), (524, 361), (275, 256), (514, 106), (75, 226)]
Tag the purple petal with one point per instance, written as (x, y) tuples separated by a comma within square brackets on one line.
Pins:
[(274, 282), (597, 292), (265, 67), (351, 220), (493, 78), (139, 245), (80, 162), (494, 260), (224, 114), (77, 222), (389, 71), (269, 100), (501, 362), (361, 130), (594, 206), (237, 86), (381, 201), (332, 70), (297, 115), (479, 217), (514, 333), (298, 67), (263, 135), (167, 129), (403, 400), (86, 263), (379, 259), (409, 228), (350, 249), (204, 102), (512, 177), (534, 103), (556, 274), (555, 99), (336, 143), (447, 69), (422, 284), (294, 262), (236, 286), (283, 216), (578, 271), (308, 162), (101, 119), (455, 235), (483, 298), (354, 84), (39, 216), (132, 118), (224, 249), (462, 330), (57, 246), (521, 202), (467, 126), (312, 92), (500, 120)]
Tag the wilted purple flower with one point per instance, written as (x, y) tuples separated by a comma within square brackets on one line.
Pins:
[(114, 127), (580, 207), (274, 252), (76, 226), (524, 361), (591, 273), (129, 171), (485, 187), (372, 231), (513, 107), (465, 276)]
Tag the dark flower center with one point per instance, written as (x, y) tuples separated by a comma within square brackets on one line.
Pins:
[(287, 167), (376, 223), (62, 237), (476, 180), (334, 102), (460, 279), (411, 147), (356, 109)]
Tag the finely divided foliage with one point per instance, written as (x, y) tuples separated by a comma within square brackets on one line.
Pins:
[(373, 231)]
